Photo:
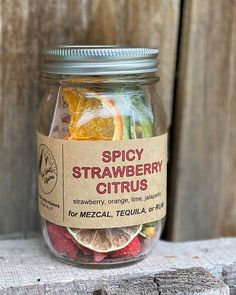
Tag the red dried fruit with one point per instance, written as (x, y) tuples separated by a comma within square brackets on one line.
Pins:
[(66, 233), (132, 249), (98, 256), (61, 242)]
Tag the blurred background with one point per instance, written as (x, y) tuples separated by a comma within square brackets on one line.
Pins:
[(197, 42)]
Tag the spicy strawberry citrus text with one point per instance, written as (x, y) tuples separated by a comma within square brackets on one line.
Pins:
[(116, 173)]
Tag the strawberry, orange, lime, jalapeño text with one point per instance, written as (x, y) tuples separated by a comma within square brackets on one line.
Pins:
[(120, 171)]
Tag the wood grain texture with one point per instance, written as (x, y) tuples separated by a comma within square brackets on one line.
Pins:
[(191, 281), (28, 28), (203, 187), (229, 277), (27, 266)]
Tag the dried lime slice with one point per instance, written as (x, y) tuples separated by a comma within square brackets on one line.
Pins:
[(105, 240)]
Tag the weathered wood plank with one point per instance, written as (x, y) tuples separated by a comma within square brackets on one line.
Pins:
[(203, 153), (29, 27), (229, 275), (27, 266), (191, 281)]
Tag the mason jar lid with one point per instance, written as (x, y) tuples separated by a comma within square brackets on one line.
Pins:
[(100, 60)]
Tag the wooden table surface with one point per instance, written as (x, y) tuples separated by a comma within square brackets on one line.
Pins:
[(203, 267)]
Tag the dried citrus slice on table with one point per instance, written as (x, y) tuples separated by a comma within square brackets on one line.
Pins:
[(105, 240)]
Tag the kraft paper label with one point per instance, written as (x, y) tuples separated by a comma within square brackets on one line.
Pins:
[(102, 184)]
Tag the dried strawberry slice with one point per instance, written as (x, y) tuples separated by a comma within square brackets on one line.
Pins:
[(132, 249), (98, 256), (61, 241)]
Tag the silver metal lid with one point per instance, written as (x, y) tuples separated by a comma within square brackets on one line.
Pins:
[(100, 60)]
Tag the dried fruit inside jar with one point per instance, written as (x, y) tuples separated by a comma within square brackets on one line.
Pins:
[(104, 114)]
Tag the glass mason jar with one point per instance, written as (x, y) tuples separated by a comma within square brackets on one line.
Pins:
[(101, 154)]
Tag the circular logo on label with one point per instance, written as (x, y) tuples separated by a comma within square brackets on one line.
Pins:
[(47, 169)]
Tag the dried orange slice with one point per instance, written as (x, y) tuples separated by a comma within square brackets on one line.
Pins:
[(93, 116), (105, 240)]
